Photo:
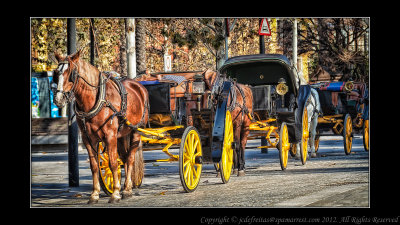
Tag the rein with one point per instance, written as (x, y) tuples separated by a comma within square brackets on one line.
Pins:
[(69, 95)]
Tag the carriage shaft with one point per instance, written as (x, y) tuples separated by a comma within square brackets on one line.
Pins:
[(263, 126), (166, 139)]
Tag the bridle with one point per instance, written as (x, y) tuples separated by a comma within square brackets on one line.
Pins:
[(73, 77)]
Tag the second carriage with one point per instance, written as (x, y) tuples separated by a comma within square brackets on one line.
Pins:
[(345, 108), (180, 118), (280, 116)]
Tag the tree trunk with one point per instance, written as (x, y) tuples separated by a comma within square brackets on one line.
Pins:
[(131, 50), (140, 46)]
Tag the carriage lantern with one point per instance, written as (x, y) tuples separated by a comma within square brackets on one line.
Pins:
[(198, 88), (282, 89)]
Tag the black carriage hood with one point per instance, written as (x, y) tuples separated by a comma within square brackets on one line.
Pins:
[(261, 69)]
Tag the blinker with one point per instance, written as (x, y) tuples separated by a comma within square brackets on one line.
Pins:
[(53, 87)]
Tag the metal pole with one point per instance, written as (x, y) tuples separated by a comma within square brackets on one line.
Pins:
[(264, 141), (226, 37), (73, 162), (295, 44), (262, 42)]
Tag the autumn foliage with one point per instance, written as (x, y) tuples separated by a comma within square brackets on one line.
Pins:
[(338, 44)]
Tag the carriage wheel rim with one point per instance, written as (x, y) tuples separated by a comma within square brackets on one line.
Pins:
[(366, 134), (285, 147), (348, 138), (304, 140), (105, 170), (227, 152), (191, 169)]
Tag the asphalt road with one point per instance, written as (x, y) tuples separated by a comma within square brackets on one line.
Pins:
[(333, 179)]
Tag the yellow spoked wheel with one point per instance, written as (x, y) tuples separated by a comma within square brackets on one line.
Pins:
[(347, 134), (226, 162), (138, 169), (304, 138), (190, 159), (106, 177), (284, 145), (366, 135)]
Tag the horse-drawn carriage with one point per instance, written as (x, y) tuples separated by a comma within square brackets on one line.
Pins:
[(344, 108), (120, 118), (179, 117), (279, 101)]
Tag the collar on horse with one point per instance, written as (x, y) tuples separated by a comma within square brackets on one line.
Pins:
[(99, 104)]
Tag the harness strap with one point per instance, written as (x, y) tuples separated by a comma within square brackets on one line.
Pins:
[(99, 104), (84, 116)]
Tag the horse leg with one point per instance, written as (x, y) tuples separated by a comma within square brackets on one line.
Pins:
[(297, 156), (129, 165), (236, 151), (94, 197), (111, 142), (244, 132), (313, 131)]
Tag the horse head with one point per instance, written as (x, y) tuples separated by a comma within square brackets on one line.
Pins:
[(65, 77)]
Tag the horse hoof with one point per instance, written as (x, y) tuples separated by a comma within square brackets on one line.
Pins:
[(93, 201), (241, 173), (114, 200), (313, 155), (235, 171), (218, 174), (126, 194)]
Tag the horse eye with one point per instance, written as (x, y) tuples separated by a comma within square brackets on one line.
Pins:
[(53, 85)]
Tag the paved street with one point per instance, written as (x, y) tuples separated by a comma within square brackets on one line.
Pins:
[(330, 180)]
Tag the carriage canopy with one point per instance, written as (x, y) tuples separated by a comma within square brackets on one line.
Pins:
[(261, 69)]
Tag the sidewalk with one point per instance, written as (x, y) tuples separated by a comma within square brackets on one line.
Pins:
[(340, 179), (49, 177), (52, 143)]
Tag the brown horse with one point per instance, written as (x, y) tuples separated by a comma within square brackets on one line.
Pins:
[(241, 123), (240, 103), (101, 119)]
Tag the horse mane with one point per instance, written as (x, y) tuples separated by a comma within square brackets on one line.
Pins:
[(89, 72)]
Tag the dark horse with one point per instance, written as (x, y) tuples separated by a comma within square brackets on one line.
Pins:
[(240, 104), (105, 112), (241, 122)]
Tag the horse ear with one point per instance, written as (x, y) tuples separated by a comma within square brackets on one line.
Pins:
[(58, 57), (76, 55)]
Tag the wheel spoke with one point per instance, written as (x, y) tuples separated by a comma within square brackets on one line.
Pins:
[(191, 175), (191, 144), (195, 145), (186, 163), (187, 171), (197, 154), (186, 156)]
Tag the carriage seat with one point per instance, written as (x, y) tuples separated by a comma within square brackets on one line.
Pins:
[(177, 80)]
